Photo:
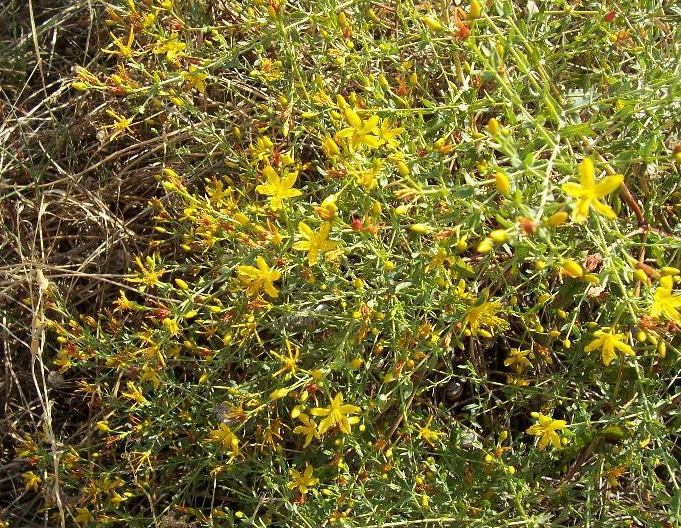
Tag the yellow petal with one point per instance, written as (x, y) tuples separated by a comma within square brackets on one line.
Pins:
[(305, 230), (371, 123), (270, 290), (352, 118), (586, 172), (271, 175), (303, 245), (608, 185), (581, 212), (604, 209), (290, 179), (372, 141), (573, 189)]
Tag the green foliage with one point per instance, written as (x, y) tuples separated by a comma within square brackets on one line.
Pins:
[(412, 265)]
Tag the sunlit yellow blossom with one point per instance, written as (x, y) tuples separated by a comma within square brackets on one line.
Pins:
[(367, 178), (545, 429), (224, 436), (302, 481), (262, 150), (327, 209), (120, 125), (83, 516), (589, 192), (123, 303), (134, 393), (360, 132), (171, 326), (389, 135), (148, 276), (278, 188), (482, 319), (194, 78), (268, 70), (290, 361), (259, 278), (519, 360), (427, 434), (337, 414), (31, 480), (665, 303), (124, 50), (330, 147), (219, 195), (309, 429), (609, 343), (315, 243), (172, 48)]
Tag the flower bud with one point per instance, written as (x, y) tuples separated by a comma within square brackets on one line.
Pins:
[(571, 268), (557, 219), (502, 182)]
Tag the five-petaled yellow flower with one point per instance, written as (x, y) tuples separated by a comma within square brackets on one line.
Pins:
[(589, 192), (315, 243), (124, 49), (309, 429), (336, 414), (361, 131), (278, 188), (545, 429), (665, 303), (609, 343), (259, 278), (484, 315), (302, 481), (289, 362), (31, 480), (120, 125), (224, 436), (429, 435)]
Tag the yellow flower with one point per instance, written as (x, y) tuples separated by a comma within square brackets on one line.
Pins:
[(171, 47), (315, 243), (31, 480), (427, 434), (123, 303), (484, 315), (330, 147), (147, 275), (367, 178), (171, 326), (124, 50), (83, 516), (259, 278), (545, 429), (309, 429), (609, 343), (336, 414), (588, 192), (120, 124), (518, 359), (328, 207), (290, 362), (278, 188), (571, 268), (193, 78), (390, 135), (134, 393), (302, 481), (224, 436), (665, 303), (360, 132)]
